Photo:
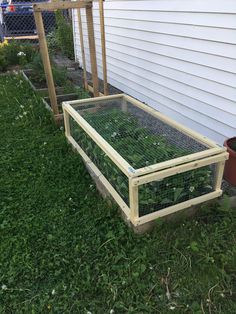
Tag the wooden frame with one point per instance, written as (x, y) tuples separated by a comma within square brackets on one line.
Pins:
[(103, 45), (212, 155), (27, 37), (61, 5)]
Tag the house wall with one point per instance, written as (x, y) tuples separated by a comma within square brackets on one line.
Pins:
[(178, 56)]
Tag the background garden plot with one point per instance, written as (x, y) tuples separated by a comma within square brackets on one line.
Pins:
[(19, 48), (17, 23), (177, 56)]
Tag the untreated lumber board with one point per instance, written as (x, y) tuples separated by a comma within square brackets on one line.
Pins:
[(60, 5), (103, 44), (46, 61), (92, 50), (85, 79)]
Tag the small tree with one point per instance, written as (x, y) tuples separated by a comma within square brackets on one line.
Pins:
[(64, 34)]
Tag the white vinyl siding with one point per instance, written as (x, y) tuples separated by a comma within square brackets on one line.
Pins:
[(178, 56)]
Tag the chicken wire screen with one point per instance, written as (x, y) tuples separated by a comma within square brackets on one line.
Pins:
[(175, 189), (141, 139), (108, 168)]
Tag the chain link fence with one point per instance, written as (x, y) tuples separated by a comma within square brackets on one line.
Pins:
[(19, 42), (17, 22)]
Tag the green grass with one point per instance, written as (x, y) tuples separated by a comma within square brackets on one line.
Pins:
[(64, 250)]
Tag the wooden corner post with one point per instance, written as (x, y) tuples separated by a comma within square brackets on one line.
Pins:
[(46, 61), (133, 202), (92, 49), (219, 174), (66, 122)]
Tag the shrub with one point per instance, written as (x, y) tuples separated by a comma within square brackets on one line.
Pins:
[(14, 53), (59, 75), (64, 35), (82, 93), (52, 42), (3, 63)]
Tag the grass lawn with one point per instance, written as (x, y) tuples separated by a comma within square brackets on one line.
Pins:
[(64, 250)]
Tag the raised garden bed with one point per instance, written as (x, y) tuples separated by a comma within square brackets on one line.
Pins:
[(39, 87), (80, 94), (151, 165), (63, 94), (60, 100)]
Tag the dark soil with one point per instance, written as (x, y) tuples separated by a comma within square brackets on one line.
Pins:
[(62, 61), (38, 84), (61, 98)]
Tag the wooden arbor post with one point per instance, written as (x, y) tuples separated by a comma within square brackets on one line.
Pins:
[(92, 49), (46, 61), (103, 44), (62, 5), (82, 50)]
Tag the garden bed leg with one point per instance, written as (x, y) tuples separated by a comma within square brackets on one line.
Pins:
[(124, 106), (67, 123), (219, 175), (133, 202)]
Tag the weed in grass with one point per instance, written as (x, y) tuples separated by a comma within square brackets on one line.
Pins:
[(63, 250)]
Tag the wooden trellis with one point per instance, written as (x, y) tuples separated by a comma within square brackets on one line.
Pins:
[(63, 5), (103, 45)]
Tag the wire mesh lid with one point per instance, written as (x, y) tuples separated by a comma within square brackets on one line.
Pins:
[(141, 139)]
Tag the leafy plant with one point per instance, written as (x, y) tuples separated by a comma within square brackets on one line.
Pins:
[(59, 74), (82, 93), (64, 35), (13, 53), (52, 42), (69, 88), (3, 63), (140, 148)]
